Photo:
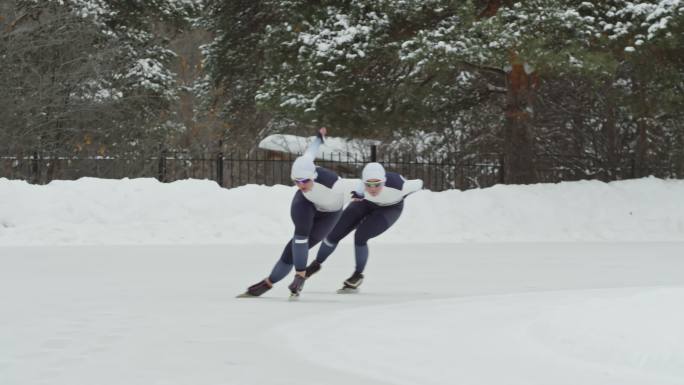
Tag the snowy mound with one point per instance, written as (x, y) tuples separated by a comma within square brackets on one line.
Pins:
[(144, 211)]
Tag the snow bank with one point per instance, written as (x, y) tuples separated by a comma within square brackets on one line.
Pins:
[(144, 211)]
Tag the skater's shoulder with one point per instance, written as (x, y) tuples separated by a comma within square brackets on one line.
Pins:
[(394, 180), (326, 177)]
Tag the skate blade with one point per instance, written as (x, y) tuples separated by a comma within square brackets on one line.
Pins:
[(293, 297), (347, 290), (246, 295)]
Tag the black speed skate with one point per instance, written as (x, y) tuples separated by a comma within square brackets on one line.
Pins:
[(312, 268), (256, 290), (296, 286), (351, 284)]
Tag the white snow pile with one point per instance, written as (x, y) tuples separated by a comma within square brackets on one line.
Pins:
[(145, 211)]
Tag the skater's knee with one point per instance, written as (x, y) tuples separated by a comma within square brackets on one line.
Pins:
[(370, 230), (303, 225), (302, 231), (298, 239), (329, 243), (333, 238), (325, 250), (360, 239)]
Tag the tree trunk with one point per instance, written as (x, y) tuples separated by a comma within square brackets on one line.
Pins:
[(641, 168), (610, 131), (518, 146), (521, 83), (641, 150)]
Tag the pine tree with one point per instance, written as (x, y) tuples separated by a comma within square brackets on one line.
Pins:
[(82, 73), (591, 85)]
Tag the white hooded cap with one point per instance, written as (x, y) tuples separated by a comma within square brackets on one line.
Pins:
[(303, 168), (373, 171)]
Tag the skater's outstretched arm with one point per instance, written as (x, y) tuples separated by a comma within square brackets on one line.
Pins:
[(392, 188), (312, 148), (303, 168), (411, 186)]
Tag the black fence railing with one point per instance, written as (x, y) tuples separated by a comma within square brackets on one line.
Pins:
[(256, 167), (270, 168)]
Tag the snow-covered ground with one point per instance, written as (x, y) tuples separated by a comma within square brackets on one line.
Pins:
[(144, 211), (133, 282)]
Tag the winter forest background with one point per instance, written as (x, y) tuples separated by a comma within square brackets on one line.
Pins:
[(588, 89)]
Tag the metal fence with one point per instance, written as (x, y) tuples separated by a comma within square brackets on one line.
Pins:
[(269, 168)]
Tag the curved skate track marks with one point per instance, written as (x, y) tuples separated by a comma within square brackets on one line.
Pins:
[(592, 337)]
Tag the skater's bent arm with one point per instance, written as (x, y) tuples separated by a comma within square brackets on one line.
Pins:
[(358, 191), (345, 186)]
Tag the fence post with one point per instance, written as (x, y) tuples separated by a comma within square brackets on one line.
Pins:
[(374, 153), (219, 169), (162, 166), (34, 174)]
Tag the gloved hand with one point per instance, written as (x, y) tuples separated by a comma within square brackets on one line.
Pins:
[(322, 132), (356, 196)]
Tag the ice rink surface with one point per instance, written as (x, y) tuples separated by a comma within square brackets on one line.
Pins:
[(464, 313)]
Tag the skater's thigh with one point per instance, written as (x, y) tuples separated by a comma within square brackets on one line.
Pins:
[(302, 213), (351, 217), (323, 223), (377, 223)]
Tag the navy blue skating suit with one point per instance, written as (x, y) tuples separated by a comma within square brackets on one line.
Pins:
[(314, 213), (370, 217)]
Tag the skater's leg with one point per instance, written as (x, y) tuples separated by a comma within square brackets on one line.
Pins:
[(323, 224), (302, 213), (284, 265), (310, 226), (351, 217), (360, 257), (325, 250), (376, 223)]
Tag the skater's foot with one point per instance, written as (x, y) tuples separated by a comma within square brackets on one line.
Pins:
[(354, 281), (312, 269), (297, 284), (257, 289)]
